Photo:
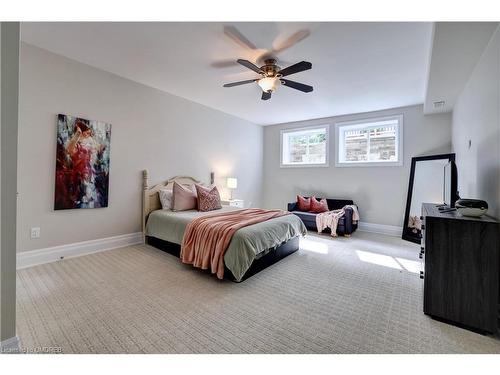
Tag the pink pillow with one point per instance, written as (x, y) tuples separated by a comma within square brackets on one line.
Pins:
[(183, 198), (318, 207), (208, 198), (303, 204)]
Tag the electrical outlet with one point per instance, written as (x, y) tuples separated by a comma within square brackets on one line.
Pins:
[(35, 232)]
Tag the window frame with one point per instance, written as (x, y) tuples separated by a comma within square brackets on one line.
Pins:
[(308, 165), (399, 142)]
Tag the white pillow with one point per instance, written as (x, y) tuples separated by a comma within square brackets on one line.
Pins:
[(166, 199)]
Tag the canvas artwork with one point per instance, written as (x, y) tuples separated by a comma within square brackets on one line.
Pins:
[(82, 163)]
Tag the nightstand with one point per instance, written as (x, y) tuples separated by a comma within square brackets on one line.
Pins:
[(240, 203)]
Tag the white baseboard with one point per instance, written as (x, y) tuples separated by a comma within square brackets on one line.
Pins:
[(51, 254), (12, 345), (390, 230)]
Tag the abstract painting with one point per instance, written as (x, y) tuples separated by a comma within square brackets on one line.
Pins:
[(82, 163)]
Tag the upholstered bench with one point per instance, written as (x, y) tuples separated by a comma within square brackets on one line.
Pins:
[(345, 225)]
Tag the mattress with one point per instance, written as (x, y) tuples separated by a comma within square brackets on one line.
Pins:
[(248, 243)]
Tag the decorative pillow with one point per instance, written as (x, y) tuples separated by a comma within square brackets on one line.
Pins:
[(208, 198), (184, 198), (318, 207), (303, 204), (166, 199)]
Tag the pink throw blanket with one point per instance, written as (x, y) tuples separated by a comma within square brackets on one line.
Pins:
[(207, 238), (330, 219)]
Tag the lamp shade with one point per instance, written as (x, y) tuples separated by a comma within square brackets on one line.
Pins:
[(232, 182)]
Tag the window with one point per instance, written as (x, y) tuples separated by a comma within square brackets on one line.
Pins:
[(305, 147), (376, 141)]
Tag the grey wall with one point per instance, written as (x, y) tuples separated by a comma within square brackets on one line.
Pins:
[(380, 192), (9, 57), (150, 129), (476, 118)]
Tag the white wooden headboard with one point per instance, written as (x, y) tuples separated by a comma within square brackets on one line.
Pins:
[(150, 197)]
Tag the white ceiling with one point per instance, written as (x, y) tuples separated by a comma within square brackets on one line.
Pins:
[(456, 49), (357, 67)]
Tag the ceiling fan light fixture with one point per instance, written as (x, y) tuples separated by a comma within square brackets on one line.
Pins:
[(271, 77), (269, 84)]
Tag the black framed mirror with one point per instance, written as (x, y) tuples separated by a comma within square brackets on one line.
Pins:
[(426, 185)]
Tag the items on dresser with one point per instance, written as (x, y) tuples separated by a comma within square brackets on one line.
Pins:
[(461, 268), (471, 207)]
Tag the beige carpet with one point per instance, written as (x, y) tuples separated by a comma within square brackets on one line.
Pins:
[(346, 295)]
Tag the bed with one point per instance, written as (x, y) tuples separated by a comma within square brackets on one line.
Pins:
[(251, 249)]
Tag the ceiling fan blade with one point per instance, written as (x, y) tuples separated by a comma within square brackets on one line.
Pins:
[(224, 64), (233, 33), (295, 68), (296, 85), (266, 95), (292, 40), (249, 65), (239, 83)]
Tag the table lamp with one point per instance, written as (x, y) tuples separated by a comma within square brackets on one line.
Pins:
[(232, 183)]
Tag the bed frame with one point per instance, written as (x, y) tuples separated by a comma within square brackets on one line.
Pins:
[(151, 202), (272, 256)]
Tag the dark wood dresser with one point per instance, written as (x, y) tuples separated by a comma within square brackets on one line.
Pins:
[(462, 265)]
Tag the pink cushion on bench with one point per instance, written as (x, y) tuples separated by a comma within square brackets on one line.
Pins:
[(303, 204), (318, 207)]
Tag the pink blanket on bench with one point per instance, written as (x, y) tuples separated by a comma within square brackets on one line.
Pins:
[(207, 238)]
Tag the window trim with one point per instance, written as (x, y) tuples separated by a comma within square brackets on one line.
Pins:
[(399, 140), (312, 127)]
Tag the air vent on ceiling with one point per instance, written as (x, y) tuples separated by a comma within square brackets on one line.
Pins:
[(439, 104)]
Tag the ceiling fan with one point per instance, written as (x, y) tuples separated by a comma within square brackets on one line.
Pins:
[(272, 76)]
